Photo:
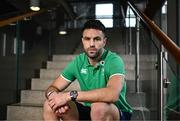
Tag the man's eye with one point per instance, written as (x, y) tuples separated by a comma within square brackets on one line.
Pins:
[(97, 39), (86, 38)]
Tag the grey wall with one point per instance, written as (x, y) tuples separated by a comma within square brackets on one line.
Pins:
[(15, 76), (66, 44)]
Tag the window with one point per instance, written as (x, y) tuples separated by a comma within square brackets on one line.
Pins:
[(164, 8), (130, 18), (104, 13)]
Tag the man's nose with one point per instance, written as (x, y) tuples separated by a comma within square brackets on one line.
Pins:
[(92, 43)]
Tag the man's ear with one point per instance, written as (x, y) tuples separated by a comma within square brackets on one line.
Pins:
[(105, 40)]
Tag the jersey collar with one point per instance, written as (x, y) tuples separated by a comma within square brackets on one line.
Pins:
[(101, 62)]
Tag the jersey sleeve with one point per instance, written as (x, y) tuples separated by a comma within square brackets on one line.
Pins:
[(69, 73), (116, 66)]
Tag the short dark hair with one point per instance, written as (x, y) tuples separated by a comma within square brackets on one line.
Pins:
[(94, 24)]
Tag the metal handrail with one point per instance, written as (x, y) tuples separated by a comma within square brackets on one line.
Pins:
[(162, 37)]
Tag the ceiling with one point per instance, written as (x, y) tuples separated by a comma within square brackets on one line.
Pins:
[(64, 9)]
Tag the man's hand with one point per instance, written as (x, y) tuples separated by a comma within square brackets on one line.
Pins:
[(58, 100), (62, 110)]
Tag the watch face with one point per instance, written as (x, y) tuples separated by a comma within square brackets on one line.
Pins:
[(73, 95)]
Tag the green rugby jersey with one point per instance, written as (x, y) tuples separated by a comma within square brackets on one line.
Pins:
[(94, 77)]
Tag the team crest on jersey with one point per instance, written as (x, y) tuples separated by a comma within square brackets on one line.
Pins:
[(84, 71), (102, 63)]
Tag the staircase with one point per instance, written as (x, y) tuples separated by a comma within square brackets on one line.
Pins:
[(31, 102)]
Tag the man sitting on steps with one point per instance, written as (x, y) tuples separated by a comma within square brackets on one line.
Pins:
[(100, 74)]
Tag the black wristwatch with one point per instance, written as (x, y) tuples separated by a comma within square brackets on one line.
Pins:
[(73, 95)]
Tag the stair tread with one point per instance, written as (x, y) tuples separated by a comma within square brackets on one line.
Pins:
[(41, 105), (141, 108), (27, 105), (37, 96), (147, 58)]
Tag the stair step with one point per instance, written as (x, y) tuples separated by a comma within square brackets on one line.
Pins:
[(136, 99), (32, 96), (142, 58), (63, 57), (43, 83), (40, 84), (140, 114), (56, 64), (129, 65), (49, 73), (37, 97), (28, 112), (30, 107), (145, 74), (25, 112), (131, 85)]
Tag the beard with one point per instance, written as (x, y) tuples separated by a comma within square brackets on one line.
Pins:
[(93, 53)]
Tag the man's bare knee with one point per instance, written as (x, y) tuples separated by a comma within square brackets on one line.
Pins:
[(48, 113), (99, 111), (47, 108)]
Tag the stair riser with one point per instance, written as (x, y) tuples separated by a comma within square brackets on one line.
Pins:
[(145, 74), (141, 115), (24, 113), (128, 65), (126, 58), (36, 113), (37, 97), (42, 84), (56, 65), (63, 57)]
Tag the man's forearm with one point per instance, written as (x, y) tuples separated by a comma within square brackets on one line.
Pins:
[(50, 90), (99, 95), (59, 84)]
